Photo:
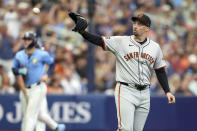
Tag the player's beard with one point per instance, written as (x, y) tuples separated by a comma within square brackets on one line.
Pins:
[(26, 46), (135, 33)]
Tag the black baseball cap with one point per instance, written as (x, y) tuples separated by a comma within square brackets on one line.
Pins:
[(143, 19)]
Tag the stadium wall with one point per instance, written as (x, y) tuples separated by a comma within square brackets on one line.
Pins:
[(97, 112)]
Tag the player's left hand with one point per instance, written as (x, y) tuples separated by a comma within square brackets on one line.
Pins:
[(171, 98)]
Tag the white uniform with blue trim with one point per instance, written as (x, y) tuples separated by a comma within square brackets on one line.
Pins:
[(36, 108), (135, 64)]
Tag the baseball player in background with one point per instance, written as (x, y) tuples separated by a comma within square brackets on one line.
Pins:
[(30, 69), (137, 56)]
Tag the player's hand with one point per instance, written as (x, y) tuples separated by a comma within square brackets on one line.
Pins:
[(44, 78), (26, 96), (80, 22), (171, 98)]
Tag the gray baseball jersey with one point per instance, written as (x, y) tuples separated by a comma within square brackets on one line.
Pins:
[(135, 63)]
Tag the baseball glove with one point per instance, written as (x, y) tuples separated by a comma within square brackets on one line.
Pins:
[(80, 22)]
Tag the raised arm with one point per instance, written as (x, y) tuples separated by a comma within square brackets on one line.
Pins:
[(80, 26), (94, 39)]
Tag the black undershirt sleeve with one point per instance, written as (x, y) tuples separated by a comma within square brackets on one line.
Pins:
[(94, 39), (162, 78)]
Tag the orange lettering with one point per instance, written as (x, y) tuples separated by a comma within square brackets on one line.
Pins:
[(126, 58), (136, 54), (131, 55), (148, 57), (152, 61), (143, 55)]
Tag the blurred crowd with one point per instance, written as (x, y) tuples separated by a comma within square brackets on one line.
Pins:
[(174, 27)]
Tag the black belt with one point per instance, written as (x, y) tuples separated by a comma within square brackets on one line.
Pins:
[(32, 84), (137, 86)]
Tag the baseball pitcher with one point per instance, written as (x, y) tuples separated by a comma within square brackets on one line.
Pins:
[(137, 56)]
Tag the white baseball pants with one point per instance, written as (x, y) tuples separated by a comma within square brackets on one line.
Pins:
[(40, 126), (36, 108), (132, 107)]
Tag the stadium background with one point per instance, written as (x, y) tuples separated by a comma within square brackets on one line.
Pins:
[(84, 73)]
